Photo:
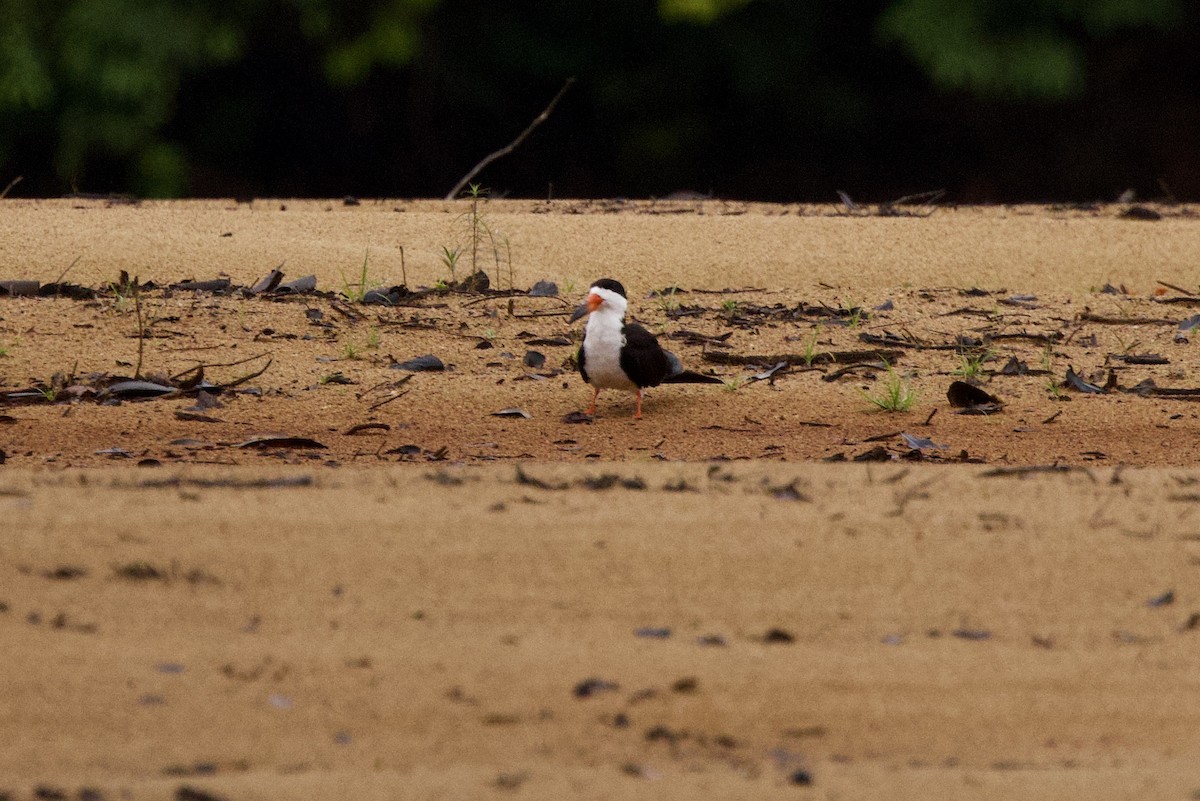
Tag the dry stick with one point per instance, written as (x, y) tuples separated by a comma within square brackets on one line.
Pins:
[(854, 357), (245, 378), (63, 274), (226, 364), (1177, 289), (375, 406), (928, 197), (345, 311), (389, 384), (11, 184), (511, 146), (508, 251), (505, 293), (137, 303), (394, 386), (1089, 317)]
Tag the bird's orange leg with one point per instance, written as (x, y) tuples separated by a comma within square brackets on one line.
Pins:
[(592, 409), (638, 414)]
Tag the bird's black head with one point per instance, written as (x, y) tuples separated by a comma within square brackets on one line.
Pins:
[(611, 286)]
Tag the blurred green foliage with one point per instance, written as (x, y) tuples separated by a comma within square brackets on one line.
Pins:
[(696, 11), (1013, 47), (101, 78), (159, 97)]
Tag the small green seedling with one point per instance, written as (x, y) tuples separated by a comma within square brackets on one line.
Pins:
[(1046, 360), (897, 395), (668, 301), (810, 349), (971, 365), (121, 300), (1127, 348), (450, 261), (356, 292), (854, 315)]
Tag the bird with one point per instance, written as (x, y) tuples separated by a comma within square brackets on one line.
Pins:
[(620, 355)]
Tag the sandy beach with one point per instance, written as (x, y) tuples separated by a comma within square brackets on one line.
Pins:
[(349, 579)]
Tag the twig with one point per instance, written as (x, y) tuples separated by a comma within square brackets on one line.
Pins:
[(927, 198), (394, 386), (851, 206), (63, 274), (500, 293), (1070, 336), (827, 357), (1091, 317), (1180, 290), (508, 255), (245, 378), (511, 146), (11, 184), (137, 304), (345, 310), (375, 406), (388, 384), (226, 364)]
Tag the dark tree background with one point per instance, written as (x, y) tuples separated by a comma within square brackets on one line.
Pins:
[(992, 100)]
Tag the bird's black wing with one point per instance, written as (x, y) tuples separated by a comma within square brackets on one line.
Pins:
[(579, 361), (642, 358)]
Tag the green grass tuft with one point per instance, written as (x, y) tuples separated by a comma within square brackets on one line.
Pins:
[(897, 394), (355, 292)]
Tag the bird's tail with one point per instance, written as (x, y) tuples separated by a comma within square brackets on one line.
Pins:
[(680, 376), (690, 377)]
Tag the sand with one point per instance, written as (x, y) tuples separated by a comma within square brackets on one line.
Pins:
[(450, 604)]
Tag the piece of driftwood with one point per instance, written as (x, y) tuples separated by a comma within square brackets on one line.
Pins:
[(825, 357)]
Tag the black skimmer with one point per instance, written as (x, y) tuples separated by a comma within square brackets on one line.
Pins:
[(620, 355)]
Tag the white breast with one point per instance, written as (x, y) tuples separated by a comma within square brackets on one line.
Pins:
[(602, 345)]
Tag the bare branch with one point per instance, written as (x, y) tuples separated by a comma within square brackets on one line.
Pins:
[(11, 184), (177, 376), (511, 146)]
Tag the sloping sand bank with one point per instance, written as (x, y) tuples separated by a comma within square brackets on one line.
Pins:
[(474, 631)]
